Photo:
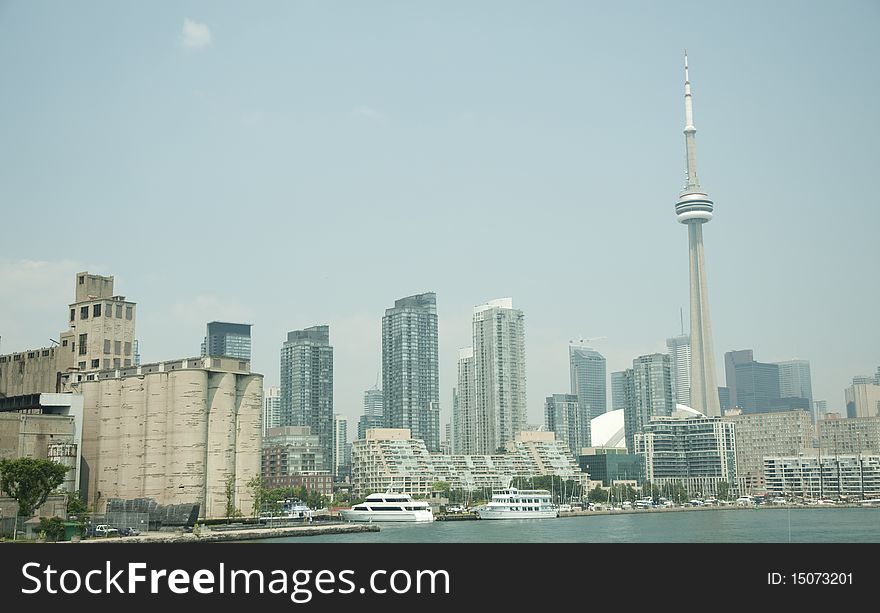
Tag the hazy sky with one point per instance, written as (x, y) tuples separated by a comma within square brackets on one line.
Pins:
[(298, 163)]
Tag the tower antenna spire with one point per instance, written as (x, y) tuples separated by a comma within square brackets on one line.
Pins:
[(693, 184)]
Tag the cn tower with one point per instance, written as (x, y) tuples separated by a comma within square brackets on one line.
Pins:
[(694, 209)]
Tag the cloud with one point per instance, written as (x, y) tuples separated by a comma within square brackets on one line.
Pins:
[(195, 35)]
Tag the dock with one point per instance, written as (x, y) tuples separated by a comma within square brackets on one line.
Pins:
[(244, 534)]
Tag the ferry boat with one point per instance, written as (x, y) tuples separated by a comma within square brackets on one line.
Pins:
[(389, 507), (512, 503)]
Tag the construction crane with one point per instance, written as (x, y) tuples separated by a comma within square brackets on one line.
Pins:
[(587, 341)]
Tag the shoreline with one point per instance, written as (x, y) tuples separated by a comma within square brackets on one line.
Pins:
[(244, 534)]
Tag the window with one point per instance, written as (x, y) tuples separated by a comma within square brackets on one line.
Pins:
[(129, 312), (106, 345), (72, 314), (82, 280), (64, 343), (81, 365), (84, 312), (30, 354), (118, 311), (96, 310), (82, 343), (127, 348), (108, 309), (128, 362), (106, 363), (117, 347), (45, 352), (116, 362), (96, 363)]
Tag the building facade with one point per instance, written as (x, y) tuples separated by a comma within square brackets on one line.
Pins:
[(563, 417), (854, 477), (757, 386), (679, 350), (499, 374), (851, 435), (609, 464), (648, 393), (411, 367), (271, 408), (391, 458), (588, 381), (224, 339), (618, 390), (760, 435), (862, 400), (293, 450), (341, 461), (795, 380), (374, 412), (471, 434), (307, 384), (697, 452), (173, 431)]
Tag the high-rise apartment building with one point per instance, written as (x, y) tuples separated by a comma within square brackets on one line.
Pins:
[(679, 349), (850, 435), (411, 367), (470, 432), (499, 374), (618, 390), (307, 384), (374, 412), (588, 380), (648, 388), (562, 416), (271, 408), (341, 462), (224, 339)]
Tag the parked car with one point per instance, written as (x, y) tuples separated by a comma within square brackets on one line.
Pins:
[(129, 531), (454, 509), (105, 530)]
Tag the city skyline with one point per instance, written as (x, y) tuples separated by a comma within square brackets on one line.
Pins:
[(154, 127)]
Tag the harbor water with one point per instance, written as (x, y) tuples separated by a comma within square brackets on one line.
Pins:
[(796, 525)]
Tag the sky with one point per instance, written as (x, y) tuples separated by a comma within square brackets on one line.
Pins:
[(289, 164)]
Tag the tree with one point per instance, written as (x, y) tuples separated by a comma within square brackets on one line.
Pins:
[(53, 528), (597, 494), (723, 490), (29, 481), (231, 511), (76, 506), (257, 490), (442, 487)]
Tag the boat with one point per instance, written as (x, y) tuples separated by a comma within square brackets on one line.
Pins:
[(389, 506), (289, 509), (511, 503)]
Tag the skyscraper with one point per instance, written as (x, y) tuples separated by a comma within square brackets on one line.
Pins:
[(468, 435), (224, 339), (731, 360), (307, 384), (271, 408), (374, 412), (618, 390), (499, 374), (562, 416), (340, 445), (411, 366), (648, 386), (588, 381), (795, 380), (694, 209), (679, 348), (757, 386)]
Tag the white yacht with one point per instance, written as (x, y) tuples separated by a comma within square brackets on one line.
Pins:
[(389, 507), (512, 503)]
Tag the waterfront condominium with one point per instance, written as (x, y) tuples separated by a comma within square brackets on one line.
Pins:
[(588, 381), (694, 209), (648, 388), (307, 384), (410, 368), (467, 436), (571, 425), (271, 408), (499, 364), (340, 445)]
